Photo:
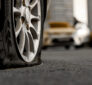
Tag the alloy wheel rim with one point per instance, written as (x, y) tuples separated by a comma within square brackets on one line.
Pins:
[(27, 20)]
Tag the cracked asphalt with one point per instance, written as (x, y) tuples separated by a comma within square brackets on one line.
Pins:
[(59, 67)]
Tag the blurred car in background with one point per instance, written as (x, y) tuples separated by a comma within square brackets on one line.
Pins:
[(82, 34), (90, 43), (59, 33)]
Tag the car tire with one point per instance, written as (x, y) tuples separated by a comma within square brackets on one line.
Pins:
[(67, 47), (21, 36)]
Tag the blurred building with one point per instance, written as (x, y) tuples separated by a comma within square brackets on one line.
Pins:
[(80, 10), (60, 11), (66, 10)]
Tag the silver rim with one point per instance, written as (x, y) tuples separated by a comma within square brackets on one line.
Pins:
[(27, 18)]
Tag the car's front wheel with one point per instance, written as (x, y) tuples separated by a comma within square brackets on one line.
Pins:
[(22, 32)]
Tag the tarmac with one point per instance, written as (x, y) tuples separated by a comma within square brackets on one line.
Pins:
[(59, 67)]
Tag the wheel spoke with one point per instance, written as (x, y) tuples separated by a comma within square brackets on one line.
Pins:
[(34, 3), (35, 17), (16, 11), (30, 42), (22, 41), (18, 27), (33, 31), (26, 2)]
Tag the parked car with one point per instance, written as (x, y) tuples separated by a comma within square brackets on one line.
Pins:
[(21, 29), (82, 34), (90, 43), (58, 33)]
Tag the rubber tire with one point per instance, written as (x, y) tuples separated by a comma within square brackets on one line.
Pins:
[(9, 54)]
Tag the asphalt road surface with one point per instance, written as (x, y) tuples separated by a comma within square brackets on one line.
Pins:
[(59, 67)]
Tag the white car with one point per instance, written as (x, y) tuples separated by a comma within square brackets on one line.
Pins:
[(81, 35)]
